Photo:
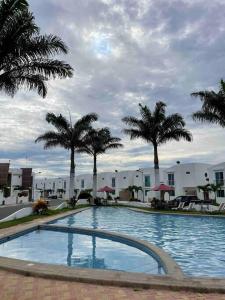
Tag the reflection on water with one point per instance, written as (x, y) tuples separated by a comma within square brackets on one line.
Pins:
[(77, 250), (196, 243)]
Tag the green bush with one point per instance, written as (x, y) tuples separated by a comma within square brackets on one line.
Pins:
[(84, 195)]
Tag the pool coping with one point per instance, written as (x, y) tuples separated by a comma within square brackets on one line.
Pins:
[(172, 281), (137, 209)]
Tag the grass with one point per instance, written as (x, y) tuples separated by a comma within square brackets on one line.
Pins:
[(30, 218), (169, 211)]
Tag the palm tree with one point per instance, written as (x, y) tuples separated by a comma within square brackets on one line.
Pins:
[(97, 142), (156, 128), (214, 188), (69, 136), (213, 106), (205, 189), (26, 57)]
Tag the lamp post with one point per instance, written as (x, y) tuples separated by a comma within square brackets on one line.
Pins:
[(34, 187), (142, 183)]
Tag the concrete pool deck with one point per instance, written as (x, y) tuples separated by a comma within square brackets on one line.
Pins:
[(176, 281), (19, 287)]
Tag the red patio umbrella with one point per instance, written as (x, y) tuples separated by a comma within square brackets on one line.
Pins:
[(162, 187), (106, 189)]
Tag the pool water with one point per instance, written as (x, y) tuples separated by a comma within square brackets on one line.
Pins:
[(79, 250), (196, 243)]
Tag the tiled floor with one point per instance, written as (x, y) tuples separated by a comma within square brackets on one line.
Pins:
[(18, 287)]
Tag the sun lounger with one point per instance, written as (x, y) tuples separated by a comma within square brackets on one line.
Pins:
[(191, 206), (180, 206)]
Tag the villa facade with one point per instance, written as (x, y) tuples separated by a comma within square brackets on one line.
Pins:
[(16, 185), (185, 178), (20, 185)]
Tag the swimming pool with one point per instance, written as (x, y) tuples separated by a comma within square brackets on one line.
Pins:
[(71, 249), (197, 244)]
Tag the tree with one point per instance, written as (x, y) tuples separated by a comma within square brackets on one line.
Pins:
[(214, 188), (97, 142), (156, 128), (213, 106), (205, 189), (134, 189), (26, 57), (68, 136)]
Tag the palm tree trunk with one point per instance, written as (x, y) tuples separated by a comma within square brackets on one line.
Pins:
[(72, 173), (156, 168), (156, 165), (95, 177)]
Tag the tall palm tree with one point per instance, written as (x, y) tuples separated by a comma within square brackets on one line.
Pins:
[(26, 57), (213, 106), (156, 128), (69, 136), (97, 142)]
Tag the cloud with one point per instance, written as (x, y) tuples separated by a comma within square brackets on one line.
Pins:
[(123, 52)]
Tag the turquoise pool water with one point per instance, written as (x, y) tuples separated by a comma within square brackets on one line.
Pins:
[(196, 243), (79, 250)]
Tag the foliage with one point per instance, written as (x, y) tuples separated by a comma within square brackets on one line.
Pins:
[(6, 192), (132, 189), (97, 142), (85, 194), (23, 194), (40, 206), (72, 202), (213, 106), (155, 127), (26, 57), (68, 136)]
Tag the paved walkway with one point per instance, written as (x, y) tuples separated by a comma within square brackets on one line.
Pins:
[(18, 287)]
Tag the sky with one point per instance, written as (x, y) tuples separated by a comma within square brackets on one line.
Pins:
[(123, 52)]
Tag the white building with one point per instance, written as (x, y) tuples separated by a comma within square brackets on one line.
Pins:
[(185, 178), (16, 185)]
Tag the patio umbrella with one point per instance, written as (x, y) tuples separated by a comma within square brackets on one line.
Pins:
[(163, 188), (106, 189)]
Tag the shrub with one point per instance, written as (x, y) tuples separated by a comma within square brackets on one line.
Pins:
[(40, 206), (84, 195)]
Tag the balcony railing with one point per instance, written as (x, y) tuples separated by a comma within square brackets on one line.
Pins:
[(219, 181)]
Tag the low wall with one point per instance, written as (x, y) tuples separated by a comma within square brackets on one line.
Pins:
[(24, 212)]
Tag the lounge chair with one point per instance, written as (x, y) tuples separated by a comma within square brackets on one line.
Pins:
[(180, 206), (191, 206)]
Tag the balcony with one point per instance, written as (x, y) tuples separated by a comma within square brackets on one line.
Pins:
[(219, 181)]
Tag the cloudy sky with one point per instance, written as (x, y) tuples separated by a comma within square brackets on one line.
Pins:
[(123, 52)]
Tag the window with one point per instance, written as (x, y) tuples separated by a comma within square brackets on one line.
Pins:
[(36, 185), (219, 177), (147, 181), (82, 183), (113, 182), (220, 193), (53, 186), (171, 179), (64, 185), (137, 176), (188, 173), (172, 193), (124, 177)]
